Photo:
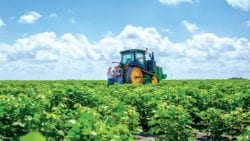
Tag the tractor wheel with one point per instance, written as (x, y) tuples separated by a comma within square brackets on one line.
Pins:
[(134, 76), (154, 80)]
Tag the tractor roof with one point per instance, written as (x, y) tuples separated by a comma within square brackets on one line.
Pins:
[(132, 50)]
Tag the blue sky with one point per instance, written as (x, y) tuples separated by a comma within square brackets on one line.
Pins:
[(63, 39)]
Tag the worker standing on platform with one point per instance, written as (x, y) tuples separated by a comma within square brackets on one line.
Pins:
[(118, 74)]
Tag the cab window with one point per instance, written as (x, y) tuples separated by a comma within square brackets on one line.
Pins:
[(140, 58), (127, 58)]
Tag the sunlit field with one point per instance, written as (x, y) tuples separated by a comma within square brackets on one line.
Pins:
[(89, 110)]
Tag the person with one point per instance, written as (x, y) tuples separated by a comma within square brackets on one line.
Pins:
[(110, 77), (118, 74), (114, 74)]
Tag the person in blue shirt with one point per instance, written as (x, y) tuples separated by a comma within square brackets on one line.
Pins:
[(118, 74)]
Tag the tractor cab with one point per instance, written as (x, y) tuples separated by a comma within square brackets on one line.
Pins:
[(133, 58)]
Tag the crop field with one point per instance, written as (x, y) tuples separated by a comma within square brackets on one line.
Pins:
[(75, 110)]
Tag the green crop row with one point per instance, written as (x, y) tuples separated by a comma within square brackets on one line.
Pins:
[(88, 110)]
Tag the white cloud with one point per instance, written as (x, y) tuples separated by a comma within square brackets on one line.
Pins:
[(242, 4), (248, 23), (29, 17), (48, 56), (190, 26), (1, 23), (174, 2)]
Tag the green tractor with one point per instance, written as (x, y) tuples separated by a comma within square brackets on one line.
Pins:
[(138, 70)]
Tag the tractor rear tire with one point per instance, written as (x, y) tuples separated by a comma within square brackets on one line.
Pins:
[(134, 75)]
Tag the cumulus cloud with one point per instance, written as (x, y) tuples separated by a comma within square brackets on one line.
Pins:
[(71, 56), (242, 4), (1, 23), (29, 17), (174, 2), (190, 26)]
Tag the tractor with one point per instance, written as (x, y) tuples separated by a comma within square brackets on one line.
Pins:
[(137, 70)]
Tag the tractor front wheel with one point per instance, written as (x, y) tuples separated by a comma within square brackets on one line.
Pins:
[(154, 80), (134, 75)]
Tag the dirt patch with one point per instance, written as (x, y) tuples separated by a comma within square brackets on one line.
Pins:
[(141, 138), (198, 137)]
